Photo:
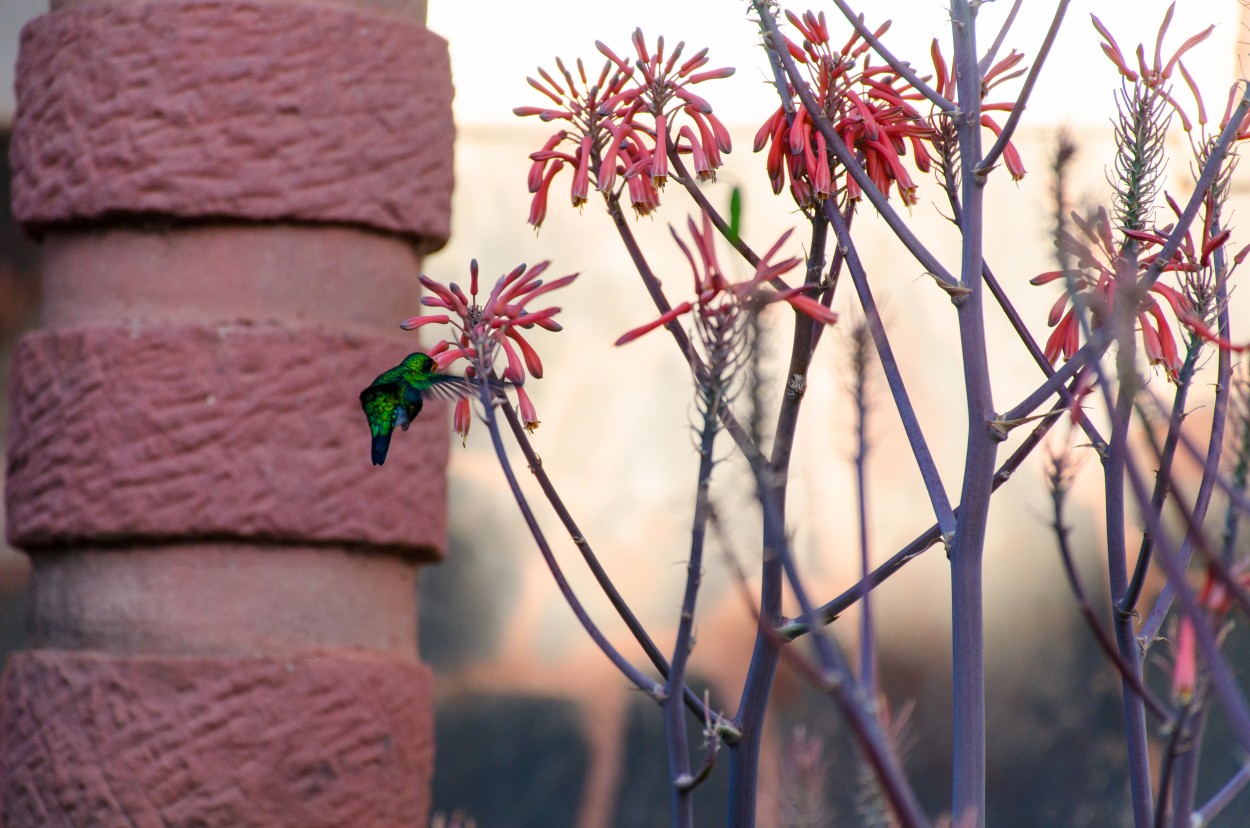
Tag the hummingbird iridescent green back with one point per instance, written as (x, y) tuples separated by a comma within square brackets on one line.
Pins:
[(396, 396)]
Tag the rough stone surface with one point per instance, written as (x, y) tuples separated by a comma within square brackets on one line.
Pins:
[(147, 434), (233, 742), (252, 109)]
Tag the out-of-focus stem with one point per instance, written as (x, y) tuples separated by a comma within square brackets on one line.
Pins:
[(1128, 605), (867, 657), (1212, 807), (744, 764), (674, 716)]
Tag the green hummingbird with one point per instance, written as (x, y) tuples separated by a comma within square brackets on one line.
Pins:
[(396, 396)]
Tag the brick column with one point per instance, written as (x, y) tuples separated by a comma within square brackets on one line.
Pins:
[(234, 197)]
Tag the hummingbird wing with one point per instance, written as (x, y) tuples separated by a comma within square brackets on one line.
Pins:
[(450, 388)]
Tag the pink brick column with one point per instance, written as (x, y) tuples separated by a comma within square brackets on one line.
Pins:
[(234, 198)]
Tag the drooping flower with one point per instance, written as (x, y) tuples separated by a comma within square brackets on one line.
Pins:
[(492, 330), (625, 125)]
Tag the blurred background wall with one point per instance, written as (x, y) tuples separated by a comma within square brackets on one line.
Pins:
[(616, 438)]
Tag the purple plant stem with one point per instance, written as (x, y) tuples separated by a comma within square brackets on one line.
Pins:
[(1185, 774), (1167, 768), (833, 676), (1212, 807), (987, 60), (1211, 462), (1009, 128), (674, 716), (1101, 637), (1128, 606), (696, 706), (1135, 733), (1030, 344), (829, 612), (967, 622), (631, 672), (894, 378), (1054, 383), (744, 764)]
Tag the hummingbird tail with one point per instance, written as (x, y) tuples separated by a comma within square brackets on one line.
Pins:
[(381, 443)]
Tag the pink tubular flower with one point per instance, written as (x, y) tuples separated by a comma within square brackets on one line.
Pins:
[(623, 125), (484, 330), (1155, 74), (1216, 600), (719, 303), (1001, 72), (866, 110), (1098, 260)]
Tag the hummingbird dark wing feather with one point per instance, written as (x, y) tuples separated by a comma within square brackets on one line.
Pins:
[(451, 388)]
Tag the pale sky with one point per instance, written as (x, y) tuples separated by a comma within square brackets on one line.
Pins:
[(493, 52), (496, 43)]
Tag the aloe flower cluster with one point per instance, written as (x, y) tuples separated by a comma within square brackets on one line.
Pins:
[(484, 330), (719, 305), (625, 124), (1100, 261), (866, 108)]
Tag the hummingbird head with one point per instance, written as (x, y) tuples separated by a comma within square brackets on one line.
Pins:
[(423, 363)]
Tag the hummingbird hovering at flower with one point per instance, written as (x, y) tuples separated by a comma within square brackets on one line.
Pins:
[(396, 396)]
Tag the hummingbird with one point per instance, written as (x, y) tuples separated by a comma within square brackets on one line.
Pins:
[(396, 396)]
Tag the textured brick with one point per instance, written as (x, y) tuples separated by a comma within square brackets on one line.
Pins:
[(233, 108), (155, 433), (163, 742)]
